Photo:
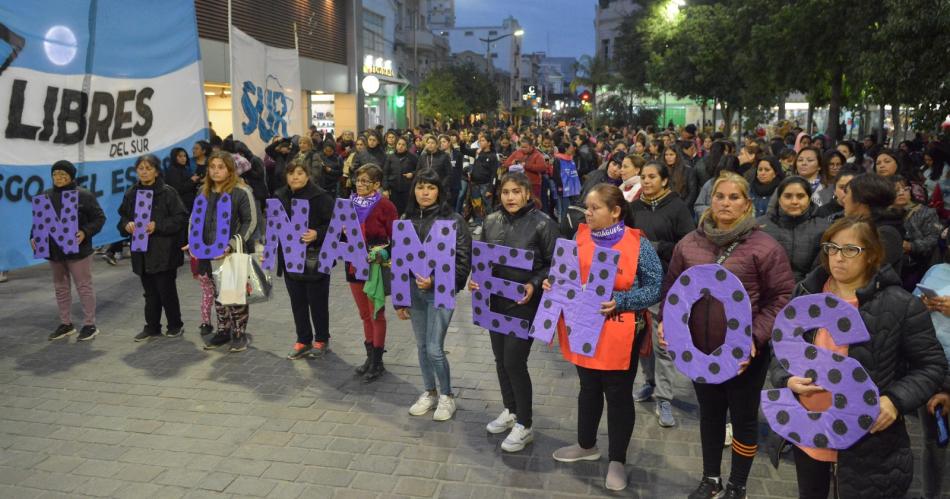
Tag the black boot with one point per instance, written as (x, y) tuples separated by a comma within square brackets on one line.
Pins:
[(376, 368), (361, 370)]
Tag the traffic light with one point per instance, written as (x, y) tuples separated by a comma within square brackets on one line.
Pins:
[(585, 96)]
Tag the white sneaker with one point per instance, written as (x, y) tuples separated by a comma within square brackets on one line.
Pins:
[(424, 404), (728, 441), (446, 408), (517, 439), (504, 422)]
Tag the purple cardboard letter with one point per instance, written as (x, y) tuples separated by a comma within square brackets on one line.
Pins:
[(580, 303), (436, 258), (286, 231), (353, 251), (484, 256), (196, 242), (61, 227), (143, 215)]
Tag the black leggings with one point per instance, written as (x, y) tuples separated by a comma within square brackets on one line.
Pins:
[(617, 387), (161, 293), (814, 477), (511, 362), (310, 300), (740, 397)]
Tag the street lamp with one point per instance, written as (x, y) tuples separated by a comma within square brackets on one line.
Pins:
[(491, 65)]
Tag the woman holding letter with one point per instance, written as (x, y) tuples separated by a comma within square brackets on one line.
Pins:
[(518, 224), (610, 372), (427, 205), (728, 235), (903, 358)]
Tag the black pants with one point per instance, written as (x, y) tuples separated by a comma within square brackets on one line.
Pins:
[(814, 477), (511, 362), (310, 300), (740, 397), (617, 387), (161, 293)]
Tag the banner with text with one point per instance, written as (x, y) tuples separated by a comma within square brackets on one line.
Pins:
[(265, 90), (88, 81)]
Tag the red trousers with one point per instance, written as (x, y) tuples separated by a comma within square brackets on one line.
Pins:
[(374, 328)]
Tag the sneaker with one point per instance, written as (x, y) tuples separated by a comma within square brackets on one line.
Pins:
[(320, 348), (299, 351), (708, 488), (110, 259), (644, 393), (205, 329), (87, 333), (446, 408), (616, 476), (504, 422), (728, 440), (425, 403), (220, 338), (574, 453), (62, 331), (147, 334), (517, 439), (734, 492), (238, 344), (174, 332), (664, 414), (3, 276)]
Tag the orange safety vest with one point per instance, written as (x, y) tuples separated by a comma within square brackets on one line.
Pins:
[(616, 337)]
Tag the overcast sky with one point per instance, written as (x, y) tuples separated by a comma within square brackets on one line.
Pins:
[(558, 27)]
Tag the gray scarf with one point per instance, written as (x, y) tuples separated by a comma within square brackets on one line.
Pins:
[(722, 238)]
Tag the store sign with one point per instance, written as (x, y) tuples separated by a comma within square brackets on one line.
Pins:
[(530, 93), (378, 66), (95, 93)]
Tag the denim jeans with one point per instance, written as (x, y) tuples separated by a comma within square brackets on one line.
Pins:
[(430, 323), (460, 202)]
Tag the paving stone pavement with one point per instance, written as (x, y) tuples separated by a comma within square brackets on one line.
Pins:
[(114, 418)]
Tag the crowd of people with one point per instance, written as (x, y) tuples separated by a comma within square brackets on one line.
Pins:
[(792, 215)]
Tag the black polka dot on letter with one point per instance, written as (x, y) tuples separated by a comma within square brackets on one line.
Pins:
[(687, 356), (684, 280), (834, 376), (737, 296), (830, 302), (859, 374), (782, 417), (870, 398), (795, 436), (733, 324), (673, 299), (821, 441), (714, 367), (737, 353), (841, 401), (811, 352), (839, 427), (865, 421), (844, 324), (790, 312), (814, 311), (777, 335), (720, 275), (773, 395), (586, 348)]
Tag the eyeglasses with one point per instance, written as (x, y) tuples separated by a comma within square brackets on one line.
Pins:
[(847, 251), (365, 181)]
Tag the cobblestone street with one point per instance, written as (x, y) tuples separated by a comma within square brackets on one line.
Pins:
[(114, 418)]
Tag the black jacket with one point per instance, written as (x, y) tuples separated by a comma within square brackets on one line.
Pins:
[(369, 156), (528, 229), (664, 223), (483, 171), (91, 220), (422, 223), (439, 161), (321, 212), (256, 178), (170, 217), (328, 180), (397, 165), (179, 178), (906, 363), (278, 178), (800, 236)]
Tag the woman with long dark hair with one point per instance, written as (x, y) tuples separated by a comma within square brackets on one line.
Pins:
[(178, 176), (430, 323), (397, 174), (792, 219), (768, 175)]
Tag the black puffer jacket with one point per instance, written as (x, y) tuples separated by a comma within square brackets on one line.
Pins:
[(529, 229), (483, 171), (663, 222), (438, 161), (179, 178), (321, 211), (906, 363), (422, 223), (799, 236), (164, 244), (375, 156), (91, 220), (396, 166)]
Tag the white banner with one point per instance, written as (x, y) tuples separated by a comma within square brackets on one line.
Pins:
[(265, 91)]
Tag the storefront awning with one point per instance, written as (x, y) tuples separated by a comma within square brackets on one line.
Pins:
[(394, 80)]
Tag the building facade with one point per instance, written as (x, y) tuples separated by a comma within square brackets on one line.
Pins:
[(608, 15), (440, 14), (499, 44), (417, 49)]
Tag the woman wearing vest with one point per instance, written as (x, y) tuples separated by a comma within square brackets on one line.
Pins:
[(728, 235), (157, 266), (430, 323), (610, 372), (517, 224), (376, 215), (309, 291), (222, 178)]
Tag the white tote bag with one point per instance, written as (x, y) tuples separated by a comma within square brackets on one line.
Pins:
[(231, 277)]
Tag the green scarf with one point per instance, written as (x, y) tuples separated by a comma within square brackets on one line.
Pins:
[(374, 287)]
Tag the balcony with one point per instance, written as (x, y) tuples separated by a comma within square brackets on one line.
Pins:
[(425, 40)]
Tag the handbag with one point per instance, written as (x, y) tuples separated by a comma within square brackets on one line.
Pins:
[(240, 280)]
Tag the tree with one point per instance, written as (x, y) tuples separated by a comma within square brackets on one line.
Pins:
[(593, 73), (455, 92)]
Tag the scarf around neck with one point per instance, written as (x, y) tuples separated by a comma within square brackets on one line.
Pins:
[(608, 236), (722, 238), (364, 205)]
